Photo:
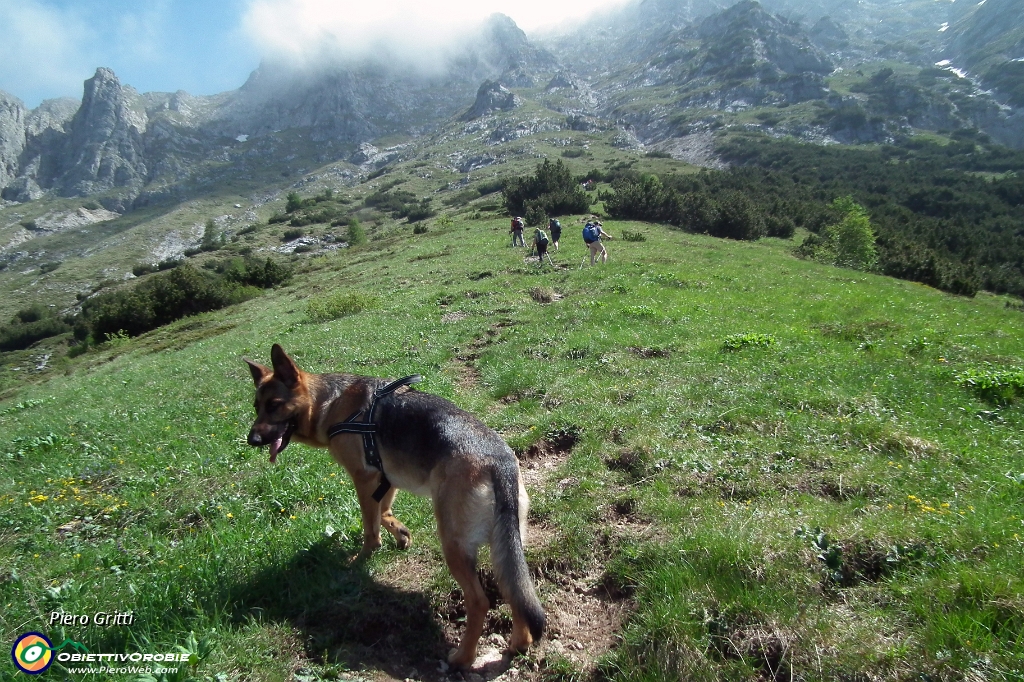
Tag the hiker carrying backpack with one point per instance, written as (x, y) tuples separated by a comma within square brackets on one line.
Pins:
[(517, 232), (556, 231), (540, 242), (592, 234)]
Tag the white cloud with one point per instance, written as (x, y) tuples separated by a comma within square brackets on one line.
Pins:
[(43, 50), (418, 31), (49, 47)]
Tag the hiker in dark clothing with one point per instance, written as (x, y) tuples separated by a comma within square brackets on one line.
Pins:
[(555, 228), (540, 242)]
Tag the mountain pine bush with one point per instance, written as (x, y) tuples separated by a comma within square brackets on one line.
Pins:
[(551, 189), (30, 325), (159, 300)]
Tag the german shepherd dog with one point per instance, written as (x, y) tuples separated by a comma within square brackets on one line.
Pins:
[(427, 446)]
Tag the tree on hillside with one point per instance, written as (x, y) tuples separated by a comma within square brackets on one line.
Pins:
[(853, 238), (552, 190), (849, 243)]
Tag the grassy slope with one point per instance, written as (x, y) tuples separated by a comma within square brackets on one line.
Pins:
[(128, 484)]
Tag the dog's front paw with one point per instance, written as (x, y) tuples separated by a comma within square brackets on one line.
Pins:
[(461, 660), (403, 538), (369, 547)]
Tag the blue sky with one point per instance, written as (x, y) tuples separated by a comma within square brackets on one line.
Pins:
[(48, 47)]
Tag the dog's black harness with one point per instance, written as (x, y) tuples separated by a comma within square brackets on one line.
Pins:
[(368, 428)]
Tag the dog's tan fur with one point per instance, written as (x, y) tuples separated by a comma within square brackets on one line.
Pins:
[(430, 447)]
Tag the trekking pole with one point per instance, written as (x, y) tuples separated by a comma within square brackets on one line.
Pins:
[(582, 262)]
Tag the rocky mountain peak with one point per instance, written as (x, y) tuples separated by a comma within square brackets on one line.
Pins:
[(826, 33), (492, 96), (989, 43), (104, 148), (12, 135), (506, 34), (745, 40), (508, 47), (51, 114), (996, 26)]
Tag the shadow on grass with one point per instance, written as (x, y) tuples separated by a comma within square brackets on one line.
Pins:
[(346, 616)]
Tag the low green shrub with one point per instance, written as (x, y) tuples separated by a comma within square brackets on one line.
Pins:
[(20, 335), (535, 214), (418, 212), (1000, 386), (738, 341), (141, 269), (332, 307), (159, 300), (462, 198), (254, 272), (490, 187)]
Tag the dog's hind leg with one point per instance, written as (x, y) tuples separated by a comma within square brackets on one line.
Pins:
[(462, 564), (387, 518), (464, 516)]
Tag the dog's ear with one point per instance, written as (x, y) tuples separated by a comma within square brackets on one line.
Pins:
[(258, 371), (285, 369)]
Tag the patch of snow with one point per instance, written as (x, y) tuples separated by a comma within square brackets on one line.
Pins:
[(944, 62), (242, 138), (944, 27)]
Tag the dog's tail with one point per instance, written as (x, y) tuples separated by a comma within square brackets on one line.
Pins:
[(507, 556)]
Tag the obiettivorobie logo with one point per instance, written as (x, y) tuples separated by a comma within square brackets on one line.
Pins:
[(33, 653)]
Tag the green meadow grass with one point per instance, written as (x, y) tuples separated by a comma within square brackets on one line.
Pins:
[(824, 497)]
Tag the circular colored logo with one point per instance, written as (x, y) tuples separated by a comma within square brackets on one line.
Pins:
[(32, 653)]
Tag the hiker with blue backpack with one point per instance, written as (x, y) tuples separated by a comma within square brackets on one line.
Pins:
[(555, 228), (592, 234)]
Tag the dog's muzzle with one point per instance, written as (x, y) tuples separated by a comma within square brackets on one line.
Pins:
[(277, 438)]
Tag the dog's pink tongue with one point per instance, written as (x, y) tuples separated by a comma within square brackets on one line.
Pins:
[(275, 448)]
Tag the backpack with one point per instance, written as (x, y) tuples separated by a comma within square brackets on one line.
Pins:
[(553, 224), (541, 238), (517, 224), (591, 233)]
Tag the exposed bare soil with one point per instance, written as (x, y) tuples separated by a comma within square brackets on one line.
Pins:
[(584, 612)]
